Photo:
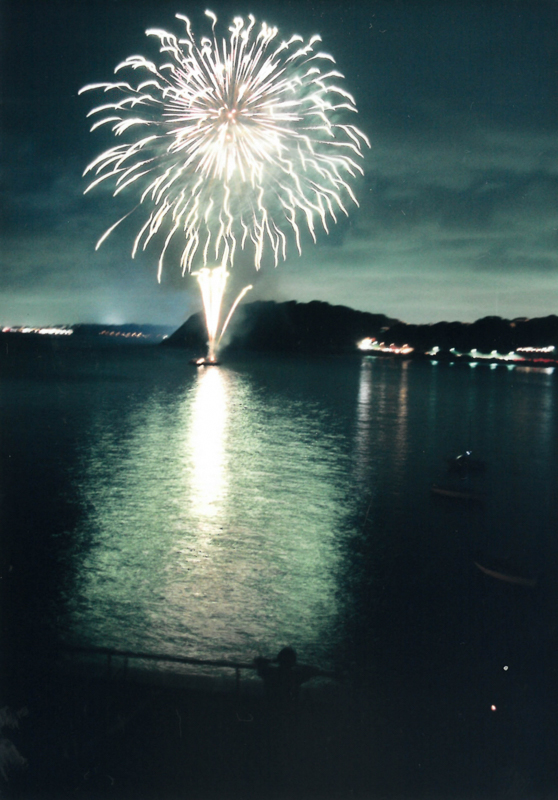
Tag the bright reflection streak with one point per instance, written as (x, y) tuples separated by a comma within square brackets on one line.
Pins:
[(205, 443), (364, 418), (402, 413), (196, 539)]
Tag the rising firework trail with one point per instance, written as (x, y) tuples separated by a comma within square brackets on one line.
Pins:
[(229, 142), (212, 285)]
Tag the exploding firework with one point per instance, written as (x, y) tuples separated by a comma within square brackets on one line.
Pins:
[(232, 142)]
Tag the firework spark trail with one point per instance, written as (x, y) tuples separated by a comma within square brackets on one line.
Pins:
[(232, 310), (231, 141)]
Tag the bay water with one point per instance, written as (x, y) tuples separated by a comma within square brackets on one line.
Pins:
[(227, 512)]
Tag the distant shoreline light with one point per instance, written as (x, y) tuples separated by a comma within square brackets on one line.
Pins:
[(549, 349), (372, 345), (517, 356), (127, 334), (67, 331), (42, 331)]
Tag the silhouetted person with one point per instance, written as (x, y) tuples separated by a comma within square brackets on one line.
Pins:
[(284, 678)]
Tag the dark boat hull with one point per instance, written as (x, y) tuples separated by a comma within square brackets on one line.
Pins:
[(204, 362), (456, 494), (502, 576)]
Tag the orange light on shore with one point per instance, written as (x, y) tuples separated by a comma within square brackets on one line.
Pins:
[(372, 345)]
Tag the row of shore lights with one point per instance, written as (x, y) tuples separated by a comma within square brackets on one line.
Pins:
[(372, 345), (43, 331), (518, 354)]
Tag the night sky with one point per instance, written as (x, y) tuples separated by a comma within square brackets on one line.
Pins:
[(458, 215)]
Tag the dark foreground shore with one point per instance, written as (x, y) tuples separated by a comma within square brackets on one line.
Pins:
[(143, 736)]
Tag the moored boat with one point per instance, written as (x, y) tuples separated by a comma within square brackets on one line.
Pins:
[(204, 361), (503, 576), (465, 462), (456, 493)]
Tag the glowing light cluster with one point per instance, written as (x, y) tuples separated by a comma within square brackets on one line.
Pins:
[(494, 354), (549, 349), (132, 335), (372, 345), (230, 141), (520, 354), (42, 331)]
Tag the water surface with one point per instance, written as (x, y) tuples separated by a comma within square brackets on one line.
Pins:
[(225, 513)]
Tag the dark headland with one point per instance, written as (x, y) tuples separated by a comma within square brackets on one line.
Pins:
[(265, 326), (319, 327)]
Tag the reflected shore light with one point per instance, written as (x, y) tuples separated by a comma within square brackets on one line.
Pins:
[(231, 142), (206, 443)]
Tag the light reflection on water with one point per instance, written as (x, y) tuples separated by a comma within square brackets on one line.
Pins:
[(212, 525), (225, 510), (204, 445), (226, 513)]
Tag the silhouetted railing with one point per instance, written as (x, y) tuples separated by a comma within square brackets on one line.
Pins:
[(237, 666), (111, 653)]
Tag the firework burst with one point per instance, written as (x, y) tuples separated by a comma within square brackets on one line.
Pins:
[(230, 142)]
